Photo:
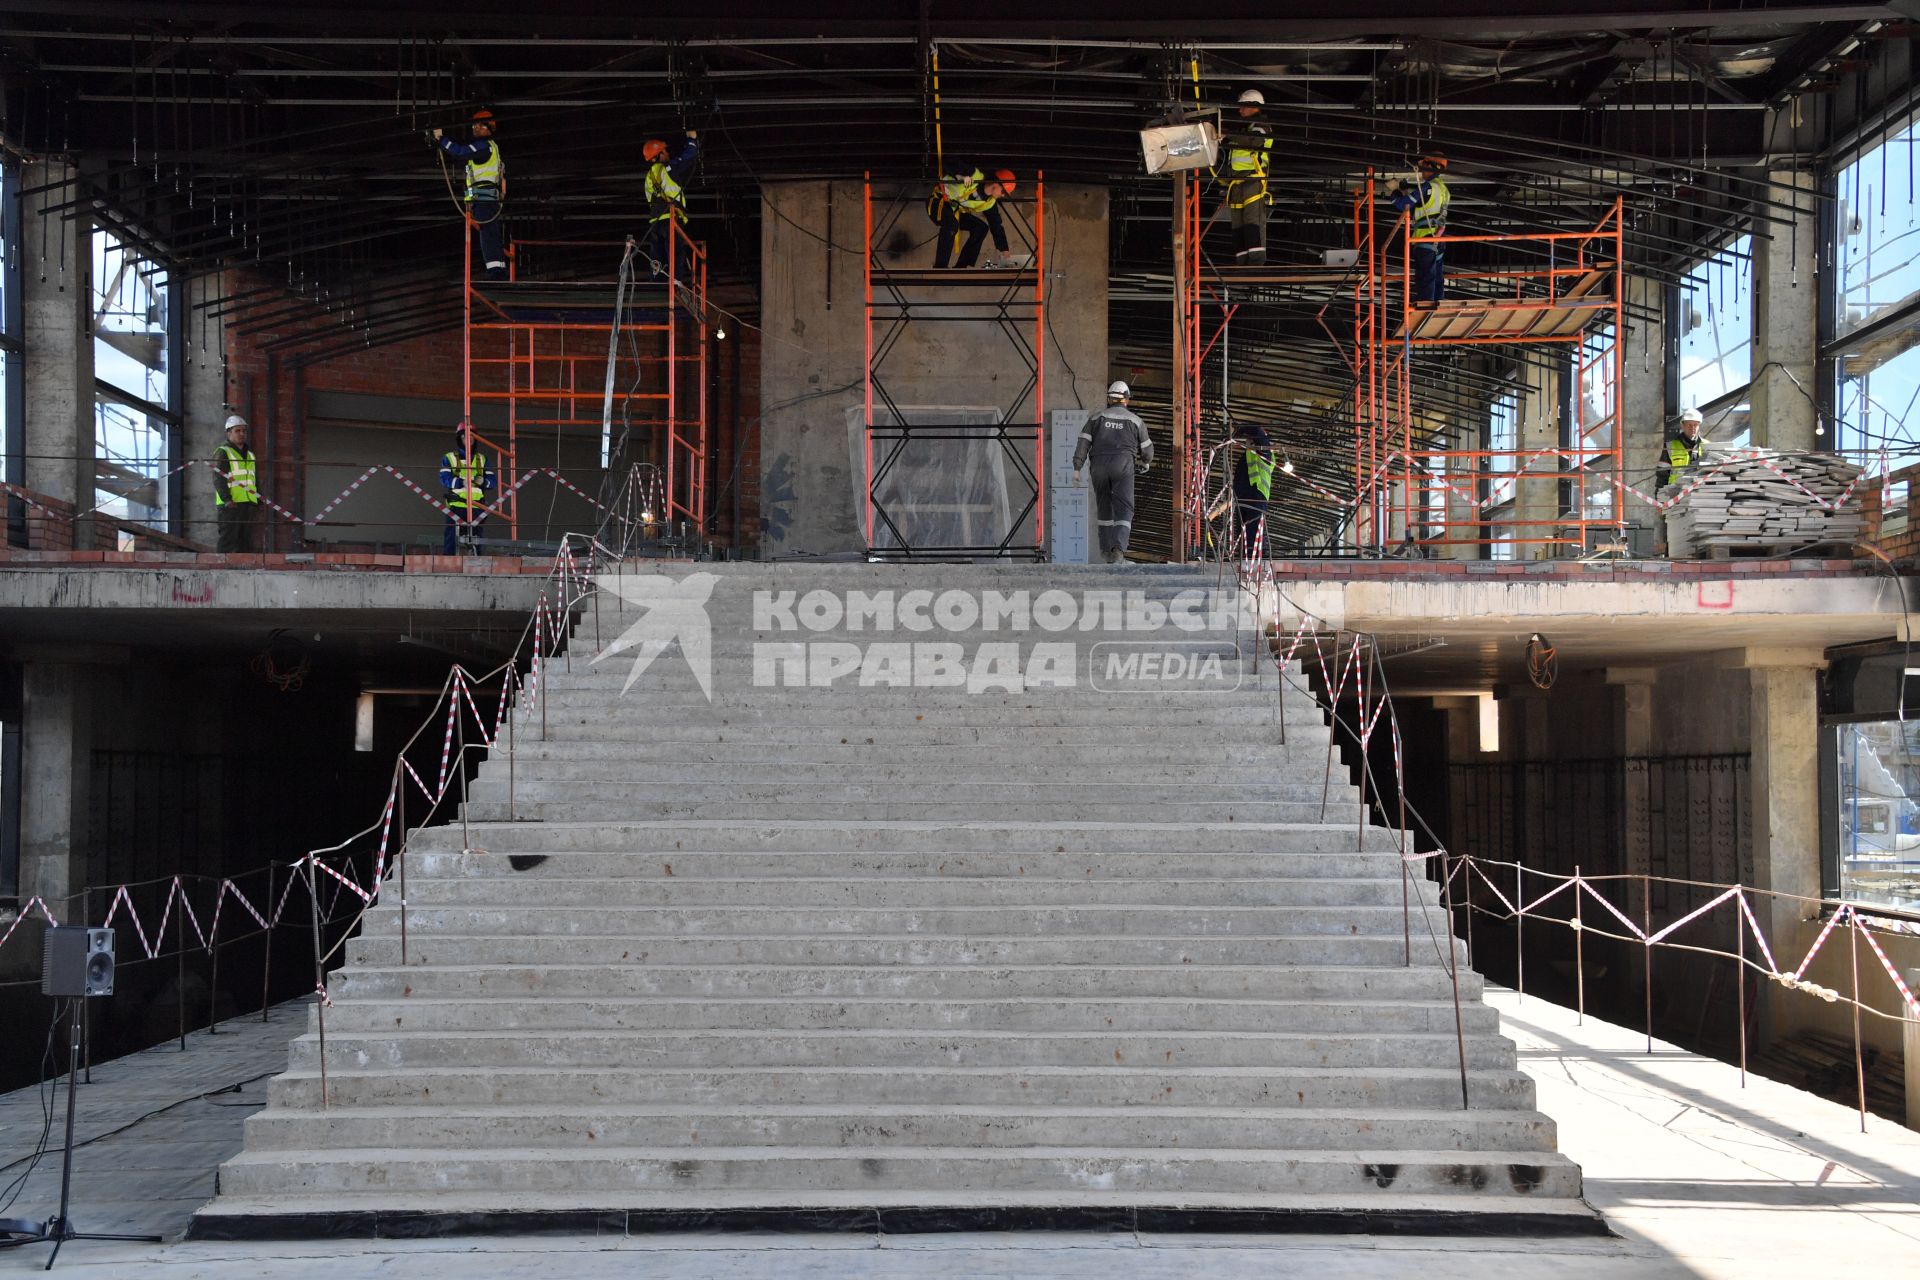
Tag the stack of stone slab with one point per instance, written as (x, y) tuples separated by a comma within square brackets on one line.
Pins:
[(961, 953), (1759, 502)]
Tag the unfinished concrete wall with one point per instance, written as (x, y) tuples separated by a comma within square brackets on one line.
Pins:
[(813, 356)]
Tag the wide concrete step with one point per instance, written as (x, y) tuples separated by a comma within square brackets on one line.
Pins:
[(895, 892), (383, 948), (1426, 982), (881, 766), (521, 856), (982, 760), (803, 1013), (571, 1131), (615, 808), (577, 711), (928, 1049), (1103, 1085), (999, 920), (722, 790), (1198, 740), (604, 1176)]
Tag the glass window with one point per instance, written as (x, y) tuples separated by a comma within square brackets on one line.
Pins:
[(1879, 775), (1879, 393), (132, 369), (1714, 324), (1878, 255), (1594, 388), (1503, 433)]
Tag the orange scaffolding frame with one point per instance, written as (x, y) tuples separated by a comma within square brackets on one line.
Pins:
[(546, 349), (1402, 484)]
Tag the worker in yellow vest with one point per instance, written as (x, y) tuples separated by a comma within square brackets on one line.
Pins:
[(1249, 147), (1425, 203), (486, 189), (667, 202), (968, 205), (465, 478), (236, 489)]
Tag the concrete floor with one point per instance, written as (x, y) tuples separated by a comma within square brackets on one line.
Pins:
[(1700, 1177)]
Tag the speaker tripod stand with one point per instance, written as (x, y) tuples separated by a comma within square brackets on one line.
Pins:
[(59, 1229)]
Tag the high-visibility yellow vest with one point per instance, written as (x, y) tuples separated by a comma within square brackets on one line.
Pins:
[(243, 489), (1260, 472), (469, 474), (665, 196), (1247, 169), (1430, 211), (489, 175), (1681, 457)]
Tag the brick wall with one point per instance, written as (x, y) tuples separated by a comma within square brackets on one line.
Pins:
[(1900, 536)]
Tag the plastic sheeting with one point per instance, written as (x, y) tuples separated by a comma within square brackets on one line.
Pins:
[(945, 481)]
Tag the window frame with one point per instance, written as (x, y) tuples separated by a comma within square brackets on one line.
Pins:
[(168, 420), (1677, 297)]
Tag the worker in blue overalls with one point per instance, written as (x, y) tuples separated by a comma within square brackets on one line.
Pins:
[(1426, 204), (486, 189)]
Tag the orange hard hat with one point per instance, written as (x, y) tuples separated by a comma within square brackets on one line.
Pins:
[(653, 150), (483, 116), (1433, 160), (1005, 178)]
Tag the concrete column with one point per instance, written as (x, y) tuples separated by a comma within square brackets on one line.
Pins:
[(56, 301), (1786, 314), (56, 760), (1643, 415), (1784, 721), (1634, 737), (1537, 500), (204, 411)]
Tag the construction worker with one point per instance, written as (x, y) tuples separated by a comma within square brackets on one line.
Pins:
[(1683, 451), (969, 204), (1248, 144), (236, 489), (1426, 202), (667, 201), (1117, 445), (486, 189), (465, 478), (1252, 486)]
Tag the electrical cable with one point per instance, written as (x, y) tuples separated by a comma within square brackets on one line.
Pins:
[(1542, 668), (47, 1086)]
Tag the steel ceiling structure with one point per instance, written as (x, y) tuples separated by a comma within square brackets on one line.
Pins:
[(288, 138)]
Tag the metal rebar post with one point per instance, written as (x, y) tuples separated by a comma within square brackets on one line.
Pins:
[(1740, 987), (319, 976), (1519, 931), (266, 943), (180, 962), (460, 763), (1646, 943), (1859, 1059), (1453, 974), (1579, 953), (1406, 911), (213, 977), (400, 858), (86, 1016), (513, 713)]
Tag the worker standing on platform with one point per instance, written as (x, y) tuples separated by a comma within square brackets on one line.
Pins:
[(465, 478), (1683, 451), (667, 201), (1252, 486), (969, 204), (1117, 445), (1248, 144), (1426, 204), (486, 189), (236, 489)]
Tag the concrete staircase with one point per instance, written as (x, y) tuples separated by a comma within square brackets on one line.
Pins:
[(806, 951)]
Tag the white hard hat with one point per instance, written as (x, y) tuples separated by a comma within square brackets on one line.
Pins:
[(235, 420), (1691, 415), (1254, 96), (1118, 391)]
